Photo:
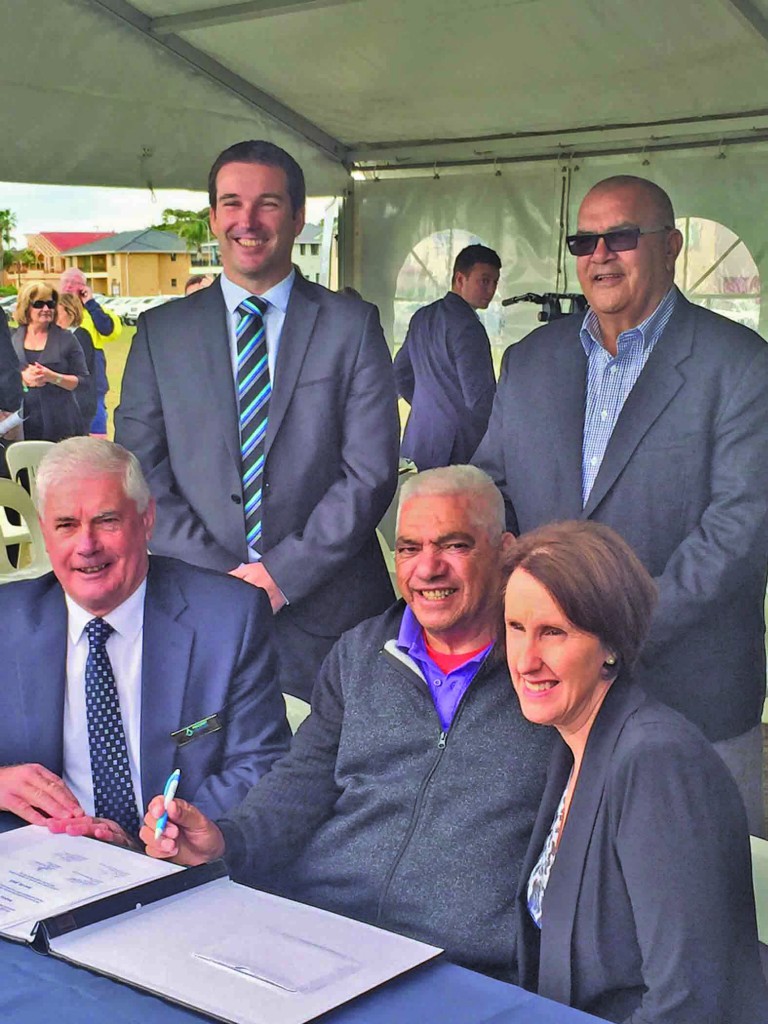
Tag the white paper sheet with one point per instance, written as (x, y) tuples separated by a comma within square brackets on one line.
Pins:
[(6, 425), (42, 874)]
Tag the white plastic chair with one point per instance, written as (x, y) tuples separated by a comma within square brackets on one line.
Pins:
[(296, 710), (26, 455), (12, 533), (389, 558), (760, 883), (388, 524), (13, 495)]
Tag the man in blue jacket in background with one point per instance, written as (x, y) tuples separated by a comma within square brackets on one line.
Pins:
[(444, 369)]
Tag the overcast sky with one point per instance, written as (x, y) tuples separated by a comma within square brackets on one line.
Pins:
[(75, 208)]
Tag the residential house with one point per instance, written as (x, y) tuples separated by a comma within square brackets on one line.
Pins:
[(306, 255), (49, 248), (146, 262)]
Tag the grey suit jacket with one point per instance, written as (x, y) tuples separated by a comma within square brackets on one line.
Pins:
[(684, 480), (331, 448), (649, 914)]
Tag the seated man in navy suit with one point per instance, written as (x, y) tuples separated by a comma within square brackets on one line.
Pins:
[(118, 668)]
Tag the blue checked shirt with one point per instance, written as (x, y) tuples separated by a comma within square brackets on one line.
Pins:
[(611, 378)]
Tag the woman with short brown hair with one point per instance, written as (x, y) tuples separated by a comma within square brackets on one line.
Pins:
[(635, 900)]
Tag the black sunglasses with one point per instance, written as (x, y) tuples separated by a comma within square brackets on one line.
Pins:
[(620, 240), (44, 303)]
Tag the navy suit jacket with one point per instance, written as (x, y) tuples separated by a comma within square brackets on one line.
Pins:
[(331, 449), (649, 913), (208, 649), (10, 373), (684, 480), (445, 372)]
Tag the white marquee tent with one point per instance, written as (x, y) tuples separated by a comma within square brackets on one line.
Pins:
[(439, 121)]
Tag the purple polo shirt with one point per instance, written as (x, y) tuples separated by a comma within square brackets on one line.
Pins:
[(446, 690)]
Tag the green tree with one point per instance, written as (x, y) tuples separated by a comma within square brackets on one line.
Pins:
[(23, 258), (7, 227), (194, 233), (190, 225)]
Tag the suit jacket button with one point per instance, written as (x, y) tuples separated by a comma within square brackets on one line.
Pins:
[(237, 499)]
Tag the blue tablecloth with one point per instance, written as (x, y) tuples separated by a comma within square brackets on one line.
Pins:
[(36, 989)]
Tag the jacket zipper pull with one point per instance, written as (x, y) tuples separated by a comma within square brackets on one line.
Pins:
[(441, 741)]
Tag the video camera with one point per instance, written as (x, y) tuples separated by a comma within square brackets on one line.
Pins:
[(551, 303)]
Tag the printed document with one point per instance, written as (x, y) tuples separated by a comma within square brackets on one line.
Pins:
[(42, 874)]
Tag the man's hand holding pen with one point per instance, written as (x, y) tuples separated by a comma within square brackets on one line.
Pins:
[(188, 838)]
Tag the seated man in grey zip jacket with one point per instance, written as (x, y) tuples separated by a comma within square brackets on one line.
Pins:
[(409, 793)]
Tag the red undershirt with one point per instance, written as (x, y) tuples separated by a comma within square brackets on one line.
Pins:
[(448, 662)]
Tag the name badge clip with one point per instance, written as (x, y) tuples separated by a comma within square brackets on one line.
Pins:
[(191, 732)]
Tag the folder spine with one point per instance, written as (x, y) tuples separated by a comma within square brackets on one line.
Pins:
[(122, 902)]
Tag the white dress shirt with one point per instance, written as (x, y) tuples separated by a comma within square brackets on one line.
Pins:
[(124, 648), (274, 318)]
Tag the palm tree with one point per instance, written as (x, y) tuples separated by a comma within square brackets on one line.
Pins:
[(22, 258), (195, 233), (7, 227), (190, 225)]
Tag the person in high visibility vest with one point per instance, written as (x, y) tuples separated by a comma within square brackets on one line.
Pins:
[(102, 325)]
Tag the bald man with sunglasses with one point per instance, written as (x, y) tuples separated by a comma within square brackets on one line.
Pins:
[(650, 414)]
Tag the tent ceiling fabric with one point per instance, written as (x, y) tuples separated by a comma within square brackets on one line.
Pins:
[(116, 93), (89, 100)]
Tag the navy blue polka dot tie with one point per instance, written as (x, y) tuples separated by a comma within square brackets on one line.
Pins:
[(110, 768)]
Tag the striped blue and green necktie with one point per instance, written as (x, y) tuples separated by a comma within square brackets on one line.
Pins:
[(253, 392)]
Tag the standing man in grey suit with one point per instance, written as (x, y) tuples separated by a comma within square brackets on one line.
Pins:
[(263, 412), (650, 414)]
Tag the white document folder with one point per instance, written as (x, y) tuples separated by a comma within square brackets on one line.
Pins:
[(237, 954)]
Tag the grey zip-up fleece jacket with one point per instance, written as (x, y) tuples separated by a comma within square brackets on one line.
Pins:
[(377, 814)]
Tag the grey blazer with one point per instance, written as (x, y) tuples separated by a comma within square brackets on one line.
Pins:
[(331, 448), (684, 480)]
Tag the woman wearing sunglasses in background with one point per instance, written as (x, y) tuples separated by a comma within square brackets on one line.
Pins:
[(635, 898), (52, 367)]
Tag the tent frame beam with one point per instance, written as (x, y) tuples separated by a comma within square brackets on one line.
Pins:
[(753, 16), (363, 151), (572, 153), (209, 17), (227, 79)]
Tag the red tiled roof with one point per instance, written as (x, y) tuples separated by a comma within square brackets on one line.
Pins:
[(73, 239)]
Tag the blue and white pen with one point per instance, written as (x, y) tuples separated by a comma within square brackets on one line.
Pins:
[(168, 794)]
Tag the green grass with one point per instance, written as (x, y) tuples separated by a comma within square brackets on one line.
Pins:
[(116, 353)]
